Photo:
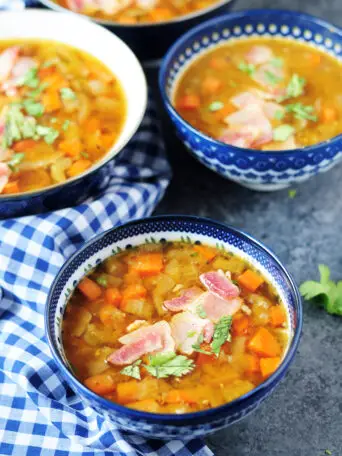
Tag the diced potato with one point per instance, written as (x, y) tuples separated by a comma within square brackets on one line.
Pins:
[(164, 284), (110, 315), (133, 390), (173, 269), (260, 306), (97, 364), (176, 409), (138, 307), (97, 335), (233, 264), (80, 318), (147, 405), (236, 389), (238, 345), (115, 266)]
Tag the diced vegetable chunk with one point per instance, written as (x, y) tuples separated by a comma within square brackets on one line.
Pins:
[(250, 280), (277, 316), (101, 384), (264, 343), (147, 264), (90, 289), (269, 365)]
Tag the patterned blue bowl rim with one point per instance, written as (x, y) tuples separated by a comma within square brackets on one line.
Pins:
[(231, 17), (186, 416)]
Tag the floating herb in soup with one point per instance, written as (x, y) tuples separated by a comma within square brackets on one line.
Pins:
[(266, 94), (60, 112), (136, 11), (174, 328)]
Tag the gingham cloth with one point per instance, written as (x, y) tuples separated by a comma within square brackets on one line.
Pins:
[(39, 414)]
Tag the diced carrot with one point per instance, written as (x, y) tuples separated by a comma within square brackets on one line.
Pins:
[(24, 144), (147, 405), (217, 63), (207, 252), (277, 316), (78, 167), (269, 365), (189, 395), (51, 101), (55, 82), (224, 112), (250, 280), (11, 187), (328, 114), (90, 289), (314, 59), (252, 363), (160, 14), (132, 277), (240, 325), (210, 85), (147, 264), (134, 390), (190, 101), (71, 147), (45, 72), (92, 124), (101, 384), (134, 291), (113, 296), (264, 343)]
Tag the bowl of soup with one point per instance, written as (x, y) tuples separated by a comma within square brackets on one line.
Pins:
[(69, 104), (173, 326), (255, 96), (149, 27)]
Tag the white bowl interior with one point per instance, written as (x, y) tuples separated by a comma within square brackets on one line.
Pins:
[(97, 41)]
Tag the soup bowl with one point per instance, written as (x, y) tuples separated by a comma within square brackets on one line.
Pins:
[(258, 170), (161, 229), (150, 41), (111, 51)]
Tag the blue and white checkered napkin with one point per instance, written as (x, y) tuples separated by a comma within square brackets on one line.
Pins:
[(39, 414)]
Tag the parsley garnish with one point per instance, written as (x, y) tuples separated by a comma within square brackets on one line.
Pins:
[(84, 154), (191, 334), (33, 108), (248, 68), (295, 87), (277, 62), (279, 115), (163, 365), (272, 78), (39, 90), (102, 281), (283, 132), (200, 311), (132, 370), (301, 111), (216, 106), (67, 94), (15, 161), (30, 79), (292, 193), (66, 125), (221, 333), (325, 293), (48, 133)]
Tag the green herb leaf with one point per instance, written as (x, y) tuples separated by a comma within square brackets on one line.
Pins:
[(67, 94), (216, 106), (38, 91), (295, 87), (28, 128), (66, 125), (48, 133), (163, 365), (191, 334), (84, 154), (272, 78), (328, 452), (15, 161), (277, 62), (30, 79), (47, 64), (292, 193), (132, 370), (33, 108), (200, 311), (14, 120), (301, 111), (102, 281), (248, 68), (325, 293), (283, 132), (221, 333), (198, 349), (279, 115)]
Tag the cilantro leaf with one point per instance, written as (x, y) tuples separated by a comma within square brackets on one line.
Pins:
[(248, 68), (200, 311), (33, 108), (48, 133), (39, 90), (132, 370), (30, 79), (277, 62), (279, 115), (283, 132), (292, 193), (191, 334), (163, 365), (221, 333), (67, 94), (216, 106), (325, 293), (102, 281), (301, 111), (66, 125), (15, 161), (295, 87), (198, 349), (272, 78)]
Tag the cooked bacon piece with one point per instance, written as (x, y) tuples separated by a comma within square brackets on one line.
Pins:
[(127, 354), (244, 99), (22, 66), (162, 328), (186, 328), (7, 62), (219, 284), (259, 54), (182, 302), (240, 137), (214, 307)]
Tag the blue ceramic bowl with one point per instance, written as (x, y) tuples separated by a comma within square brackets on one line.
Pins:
[(257, 170), (118, 58), (150, 41), (159, 229)]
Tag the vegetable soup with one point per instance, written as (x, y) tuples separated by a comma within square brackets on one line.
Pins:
[(261, 93), (61, 110), (136, 11), (174, 328)]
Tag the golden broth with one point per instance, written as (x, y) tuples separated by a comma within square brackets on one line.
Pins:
[(206, 93), (61, 110), (128, 293)]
